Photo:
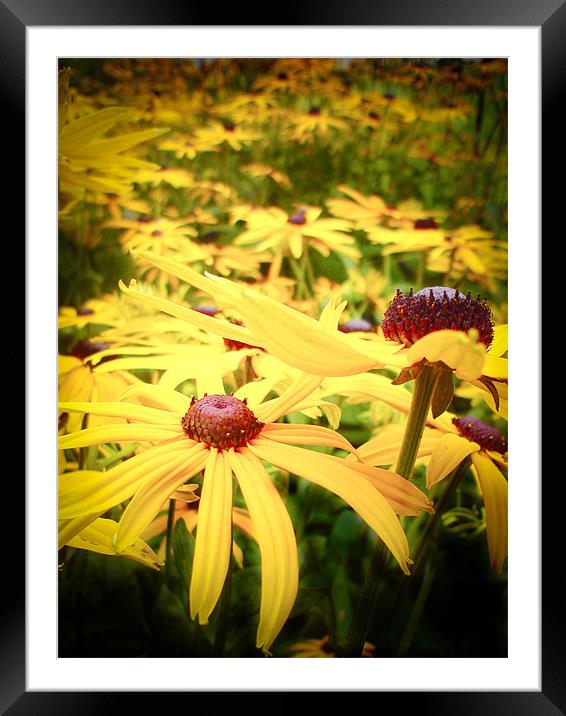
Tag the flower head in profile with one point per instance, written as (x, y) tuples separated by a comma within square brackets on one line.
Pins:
[(226, 436), (322, 649), (445, 444)]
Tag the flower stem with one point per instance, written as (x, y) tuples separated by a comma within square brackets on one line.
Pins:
[(416, 420), (418, 413)]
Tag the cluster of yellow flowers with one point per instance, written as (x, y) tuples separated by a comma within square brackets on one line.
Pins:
[(259, 305)]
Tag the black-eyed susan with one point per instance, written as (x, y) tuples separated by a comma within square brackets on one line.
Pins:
[(224, 436), (289, 234), (446, 443)]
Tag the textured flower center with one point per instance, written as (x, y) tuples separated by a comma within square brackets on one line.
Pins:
[(314, 111), (485, 436), (426, 224), (230, 127), (356, 324), (298, 217), (85, 312), (221, 421), (410, 317)]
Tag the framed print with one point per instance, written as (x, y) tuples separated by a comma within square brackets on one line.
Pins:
[(200, 250)]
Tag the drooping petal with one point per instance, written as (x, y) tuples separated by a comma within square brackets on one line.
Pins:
[(447, 455), (457, 349), (97, 537), (149, 498), (278, 547), (493, 486), (68, 529), (214, 537), (337, 476), (404, 497)]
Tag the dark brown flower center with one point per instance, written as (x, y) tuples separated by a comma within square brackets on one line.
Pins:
[(487, 437), (221, 421), (410, 317), (83, 349), (299, 217)]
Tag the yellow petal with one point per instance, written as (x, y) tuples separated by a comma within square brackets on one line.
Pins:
[(122, 410), (306, 435), (121, 432), (458, 350), (493, 486), (276, 538), (214, 536), (447, 455), (87, 491), (337, 476), (97, 537), (149, 498)]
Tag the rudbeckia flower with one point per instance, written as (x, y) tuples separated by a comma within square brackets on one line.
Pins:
[(89, 160), (445, 444), (289, 234), (234, 135), (317, 122), (225, 436)]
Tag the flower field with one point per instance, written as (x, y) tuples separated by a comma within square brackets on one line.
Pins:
[(282, 419)]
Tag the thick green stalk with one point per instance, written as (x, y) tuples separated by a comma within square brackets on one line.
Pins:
[(416, 420), (223, 617)]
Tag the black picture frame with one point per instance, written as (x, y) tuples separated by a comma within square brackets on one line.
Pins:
[(550, 16)]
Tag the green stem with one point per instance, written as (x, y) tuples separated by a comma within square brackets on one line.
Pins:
[(416, 420), (414, 427)]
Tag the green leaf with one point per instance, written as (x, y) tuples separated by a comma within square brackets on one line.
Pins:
[(183, 551)]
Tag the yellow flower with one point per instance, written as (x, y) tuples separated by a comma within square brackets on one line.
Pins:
[(305, 126), (89, 160), (287, 234), (234, 135), (444, 447), (223, 436)]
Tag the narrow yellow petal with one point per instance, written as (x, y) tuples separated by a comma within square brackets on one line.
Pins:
[(117, 409), (273, 409), (337, 476), (278, 547), (149, 498), (120, 432), (447, 455), (97, 537), (493, 486), (68, 529), (88, 491), (156, 396), (214, 537), (306, 435)]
